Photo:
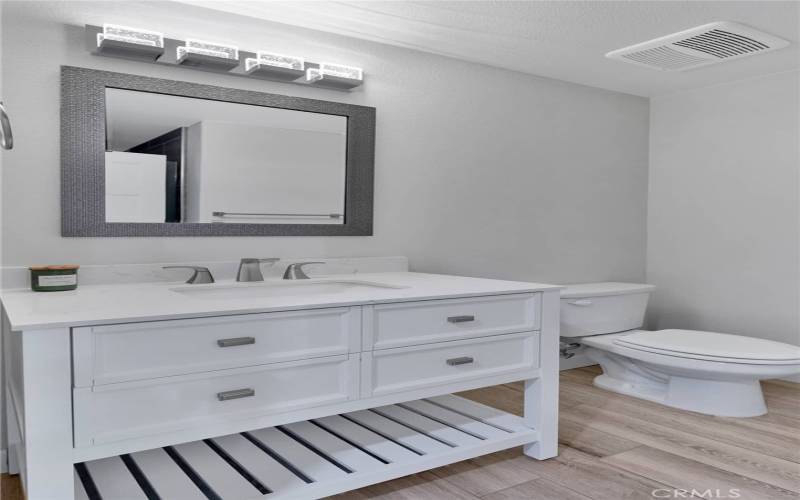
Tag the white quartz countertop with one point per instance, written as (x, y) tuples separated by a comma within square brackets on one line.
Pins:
[(124, 303)]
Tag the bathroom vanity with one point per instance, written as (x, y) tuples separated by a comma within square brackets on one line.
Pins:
[(289, 390)]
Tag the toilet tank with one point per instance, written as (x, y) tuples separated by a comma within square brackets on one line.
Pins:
[(597, 308)]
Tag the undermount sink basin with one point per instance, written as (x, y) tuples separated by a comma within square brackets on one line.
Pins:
[(276, 289)]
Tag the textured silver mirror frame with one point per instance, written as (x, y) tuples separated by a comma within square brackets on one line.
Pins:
[(83, 116)]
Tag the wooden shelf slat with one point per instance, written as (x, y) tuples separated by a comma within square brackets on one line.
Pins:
[(165, 476), (266, 469), (114, 480), (387, 449), (216, 472)]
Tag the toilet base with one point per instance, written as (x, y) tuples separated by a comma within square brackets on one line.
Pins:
[(720, 398), (726, 398)]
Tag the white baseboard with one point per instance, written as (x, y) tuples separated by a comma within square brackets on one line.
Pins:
[(793, 378)]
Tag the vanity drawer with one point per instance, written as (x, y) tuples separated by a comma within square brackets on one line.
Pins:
[(137, 351), (135, 409), (397, 370), (409, 323)]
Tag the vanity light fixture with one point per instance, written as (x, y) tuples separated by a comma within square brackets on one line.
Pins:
[(210, 54), (130, 35), (341, 71), (124, 41), (279, 60), (336, 76), (275, 66), (313, 75), (149, 46)]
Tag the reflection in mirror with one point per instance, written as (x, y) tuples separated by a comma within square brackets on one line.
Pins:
[(180, 159)]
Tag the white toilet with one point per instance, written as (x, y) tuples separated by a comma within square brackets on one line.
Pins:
[(706, 372)]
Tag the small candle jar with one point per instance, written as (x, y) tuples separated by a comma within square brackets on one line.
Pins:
[(54, 278)]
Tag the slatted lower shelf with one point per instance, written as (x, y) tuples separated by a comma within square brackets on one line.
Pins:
[(309, 459)]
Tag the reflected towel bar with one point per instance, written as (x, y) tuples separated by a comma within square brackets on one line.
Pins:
[(247, 214)]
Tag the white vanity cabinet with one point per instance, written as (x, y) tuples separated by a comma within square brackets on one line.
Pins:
[(281, 404), (110, 354), (409, 323), (118, 412), (402, 369)]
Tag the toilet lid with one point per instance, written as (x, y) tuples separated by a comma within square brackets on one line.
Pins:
[(712, 346), (604, 289)]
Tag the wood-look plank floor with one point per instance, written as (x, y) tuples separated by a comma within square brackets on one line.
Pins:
[(616, 447)]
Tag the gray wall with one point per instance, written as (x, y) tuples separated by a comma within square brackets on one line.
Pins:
[(724, 214), (479, 171)]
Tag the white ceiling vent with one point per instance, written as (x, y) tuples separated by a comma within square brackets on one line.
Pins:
[(708, 44)]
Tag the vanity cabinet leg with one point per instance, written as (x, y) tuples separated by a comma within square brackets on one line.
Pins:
[(541, 394), (11, 435), (47, 395)]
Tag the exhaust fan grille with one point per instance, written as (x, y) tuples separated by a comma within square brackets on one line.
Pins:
[(722, 44), (701, 46), (664, 57)]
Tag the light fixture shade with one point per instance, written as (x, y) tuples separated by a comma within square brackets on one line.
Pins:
[(334, 76), (211, 49), (341, 71), (264, 58), (127, 34), (313, 75)]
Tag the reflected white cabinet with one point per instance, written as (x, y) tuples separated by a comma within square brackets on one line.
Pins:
[(135, 187)]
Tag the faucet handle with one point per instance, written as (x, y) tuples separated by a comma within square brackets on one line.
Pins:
[(252, 260), (295, 271), (201, 274)]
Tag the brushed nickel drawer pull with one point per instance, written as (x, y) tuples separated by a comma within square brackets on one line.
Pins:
[(464, 360), (460, 319), (236, 341), (580, 302), (237, 394)]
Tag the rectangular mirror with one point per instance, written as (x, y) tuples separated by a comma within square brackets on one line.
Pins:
[(151, 157), (180, 159)]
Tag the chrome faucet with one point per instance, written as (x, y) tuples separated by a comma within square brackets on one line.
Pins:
[(199, 276), (295, 271), (250, 269)]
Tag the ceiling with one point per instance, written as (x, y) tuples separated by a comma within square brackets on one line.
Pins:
[(566, 40)]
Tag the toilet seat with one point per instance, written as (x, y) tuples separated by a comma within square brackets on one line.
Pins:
[(711, 346)]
